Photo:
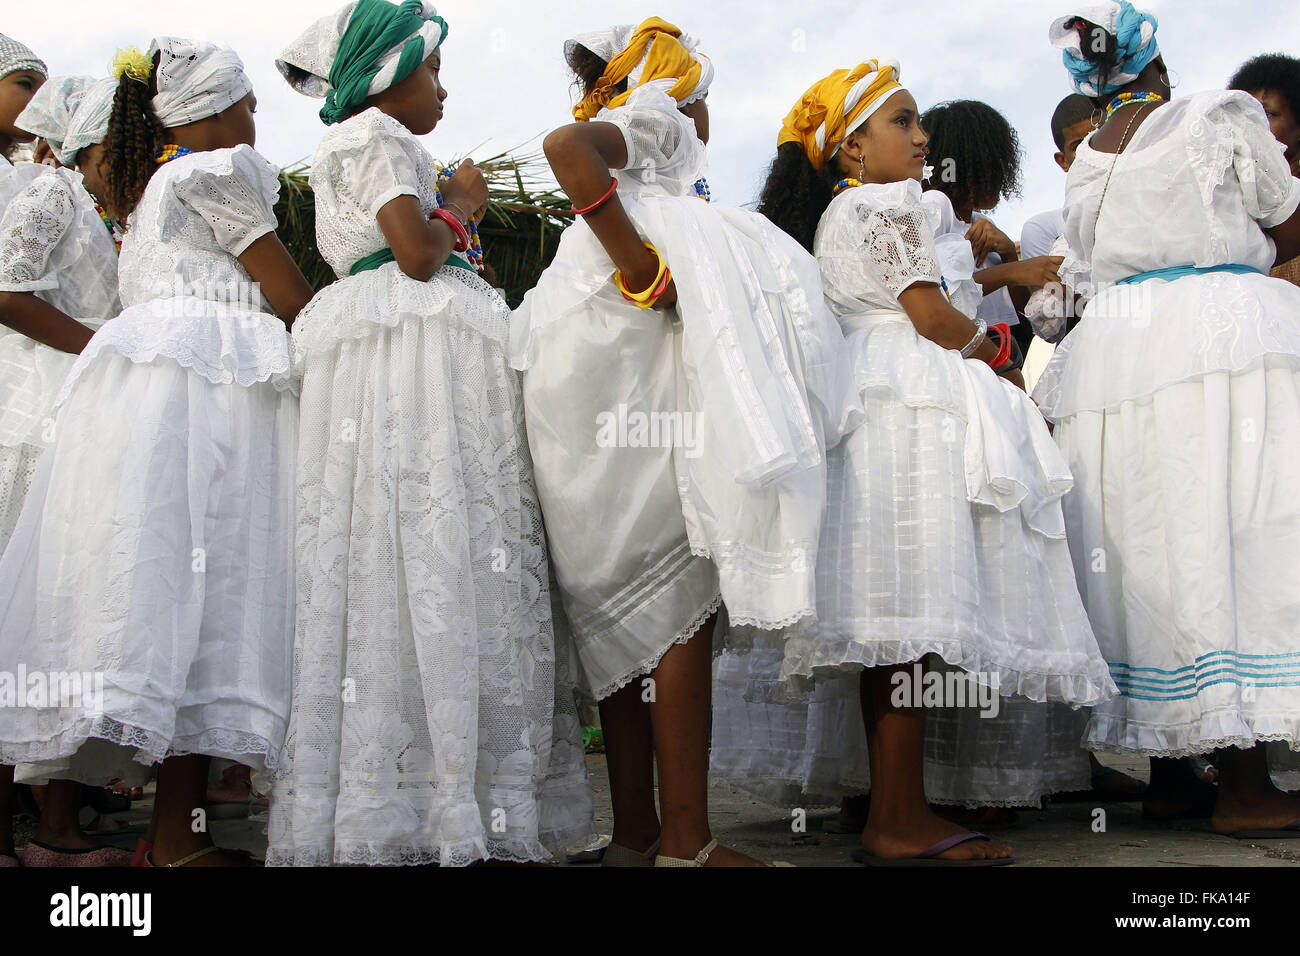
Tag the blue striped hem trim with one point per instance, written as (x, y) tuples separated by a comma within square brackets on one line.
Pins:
[(1216, 667)]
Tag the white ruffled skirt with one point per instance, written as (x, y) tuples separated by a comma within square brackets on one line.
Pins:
[(153, 554), (1178, 407), (943, 532), (434, 717), (811, 751), (681, 455)]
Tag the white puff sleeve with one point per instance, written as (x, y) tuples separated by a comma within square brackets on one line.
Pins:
[(33, 225), (1271, 194), (376, 161), (234, 191), (896, 237)]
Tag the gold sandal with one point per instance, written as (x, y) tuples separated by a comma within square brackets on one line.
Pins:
[(618, 855), (701, 858)]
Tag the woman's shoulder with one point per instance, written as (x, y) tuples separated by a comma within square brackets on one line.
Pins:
[(239, 169), (885, 198), (365, 127)]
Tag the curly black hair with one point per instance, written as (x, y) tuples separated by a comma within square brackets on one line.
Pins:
[(1270, 71), (134, 137), (795, 194), (975, 152), (588, 68)]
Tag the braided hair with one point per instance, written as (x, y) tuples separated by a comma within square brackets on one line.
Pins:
[(795, 194), (975, 152), (134, 137)]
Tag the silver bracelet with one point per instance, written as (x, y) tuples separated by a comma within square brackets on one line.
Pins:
[(976, 340), (460, 213)]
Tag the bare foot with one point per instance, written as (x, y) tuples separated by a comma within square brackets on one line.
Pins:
[(1272, 810), (164, 854), (918, 834)]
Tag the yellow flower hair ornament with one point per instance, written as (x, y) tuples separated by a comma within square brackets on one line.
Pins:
[(131, 62)]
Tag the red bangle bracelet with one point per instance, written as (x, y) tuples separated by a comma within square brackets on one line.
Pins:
[(613, 184), (1004, 345), (458, 227)]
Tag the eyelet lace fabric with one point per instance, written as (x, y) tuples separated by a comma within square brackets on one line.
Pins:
[(155, 548), (812, 751), (52, 245), (1180, 438), (361, 164), (434, 718), (945, 502)]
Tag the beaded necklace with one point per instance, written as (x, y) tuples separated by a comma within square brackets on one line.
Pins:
[(475, 251), (702, 190), (169, 152), (113, 228), (1124, 99)]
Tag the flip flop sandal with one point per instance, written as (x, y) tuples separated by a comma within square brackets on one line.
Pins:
[(41, 854), (930, 857), (9, 859), (1289, 832), (248, 861)]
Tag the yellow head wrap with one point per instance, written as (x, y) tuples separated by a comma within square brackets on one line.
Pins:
[(668, 59), (836, 105)]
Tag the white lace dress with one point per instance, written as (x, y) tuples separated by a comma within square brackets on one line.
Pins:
[(1177, 404), (53, 245), (434, 717), (155, 547), (943, 531), (810, 749), (680, 455)]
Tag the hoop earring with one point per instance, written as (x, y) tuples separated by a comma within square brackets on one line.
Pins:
[(1095, 118), (1169, 78)]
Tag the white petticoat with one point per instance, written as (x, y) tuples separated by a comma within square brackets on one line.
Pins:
[(811, 751), (1178, 407), (155, 551), (743, 387), (434, 718), (943, 531)]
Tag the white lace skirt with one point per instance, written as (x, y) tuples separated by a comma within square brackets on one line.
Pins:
[(909, 565), (154, 556), (17, 468), (434, 717), (810, 751), (630, 583), (1184, 524)]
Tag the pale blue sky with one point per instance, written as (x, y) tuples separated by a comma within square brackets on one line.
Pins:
[(504, 69)]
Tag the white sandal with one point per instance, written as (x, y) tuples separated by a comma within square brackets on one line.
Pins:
[(618, 855), (701, 858)]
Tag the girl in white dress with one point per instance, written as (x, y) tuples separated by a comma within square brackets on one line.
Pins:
[(58, 282), (1177, 403), (943, 532), (810, 750), (680, 454), (22, 73), (154, 551), (434, 718)]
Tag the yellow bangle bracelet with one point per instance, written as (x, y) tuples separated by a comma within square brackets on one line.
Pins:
[(647, 298)]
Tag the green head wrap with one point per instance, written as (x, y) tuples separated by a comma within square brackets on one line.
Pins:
[(374, 28)]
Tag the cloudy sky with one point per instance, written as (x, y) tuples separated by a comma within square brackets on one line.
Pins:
[(503, 66)]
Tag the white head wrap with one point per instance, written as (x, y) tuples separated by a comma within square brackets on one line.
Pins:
[(609, 43), (50, 110), (306, 62), (89, 123), (195, 80), (15, 56)]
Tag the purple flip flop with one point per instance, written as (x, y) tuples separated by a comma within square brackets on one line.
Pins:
[(930, 857)]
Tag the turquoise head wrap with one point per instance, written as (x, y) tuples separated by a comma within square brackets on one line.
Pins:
[(1135, 31)]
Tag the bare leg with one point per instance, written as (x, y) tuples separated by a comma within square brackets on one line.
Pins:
[(1247, 798), (60, 825), (629, 756), (181, 782), (900, 823), (680, 712)]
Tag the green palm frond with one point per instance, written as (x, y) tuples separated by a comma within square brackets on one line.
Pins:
[(520, 232)]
